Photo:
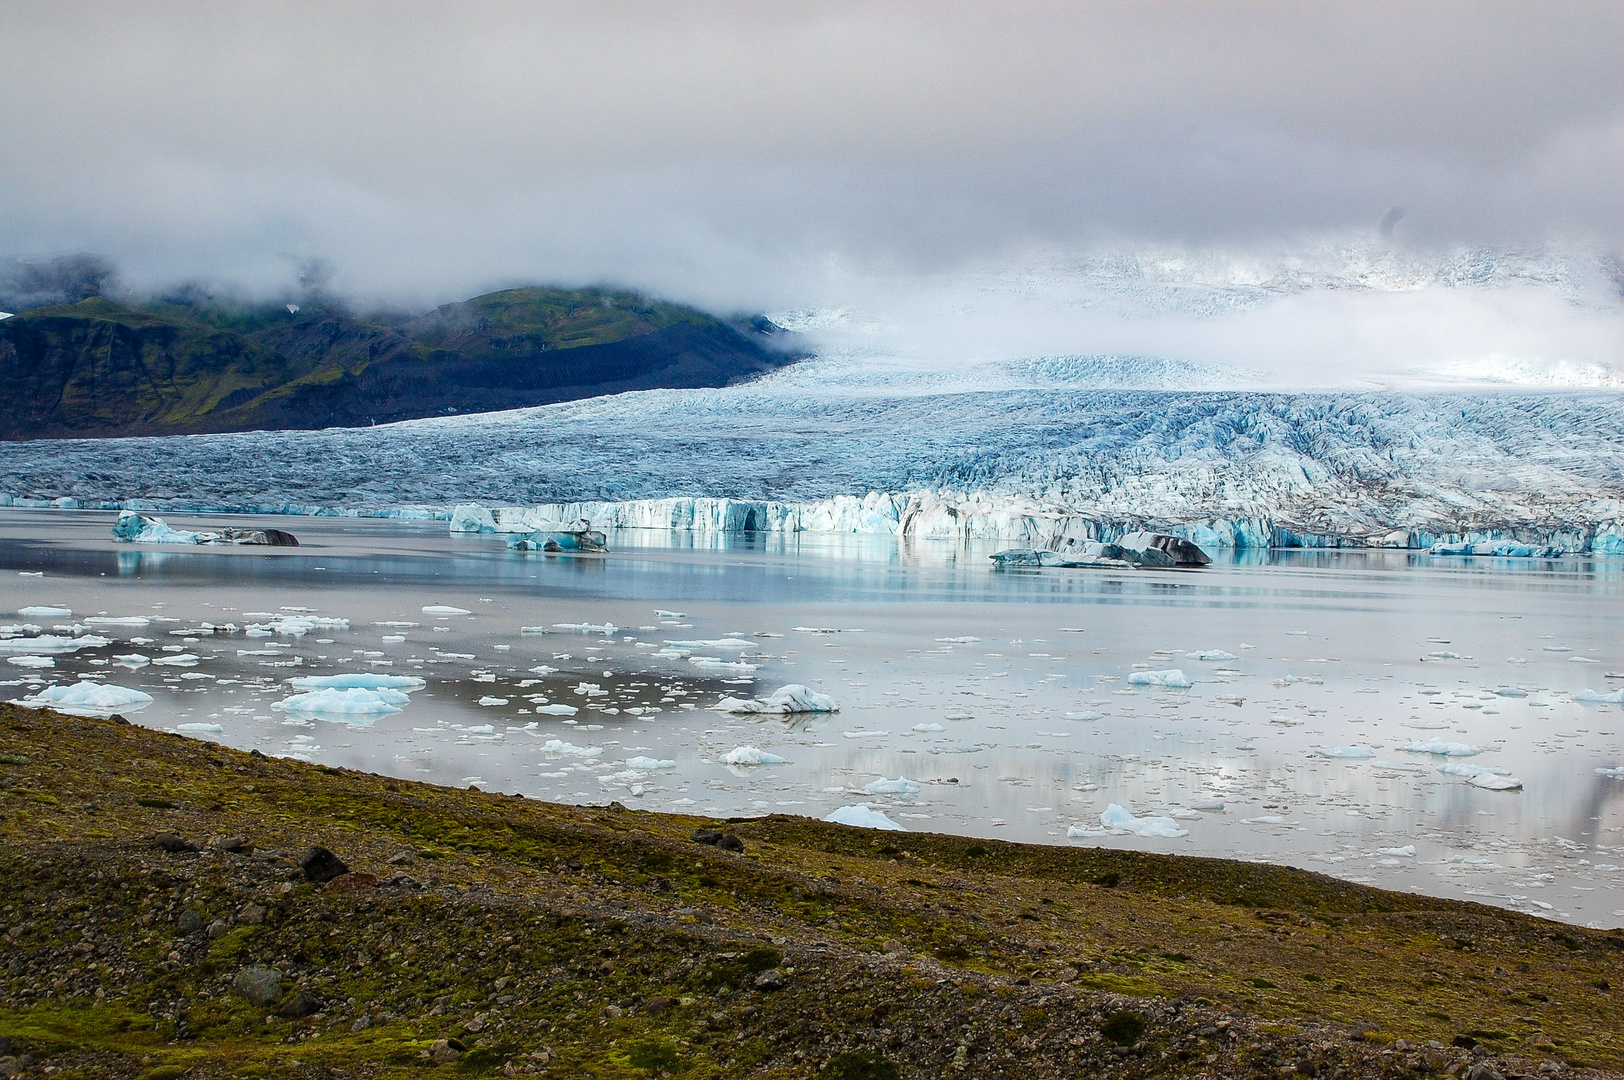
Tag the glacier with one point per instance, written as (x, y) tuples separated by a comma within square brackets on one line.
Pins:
[(1484, 471)]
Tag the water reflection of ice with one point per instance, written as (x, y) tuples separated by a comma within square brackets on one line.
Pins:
[(1023, 706)]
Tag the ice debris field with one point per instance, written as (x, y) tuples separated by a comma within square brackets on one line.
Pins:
[(1407, 723)]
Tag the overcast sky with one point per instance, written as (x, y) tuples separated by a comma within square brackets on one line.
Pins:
[(752, 155)]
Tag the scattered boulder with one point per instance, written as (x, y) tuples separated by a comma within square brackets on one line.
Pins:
[(443, 1050), (730, 842), (352, 882), (218, 929), (321, 866), (190, 922), (298, 1004), (259, 984), (707, 836), (403, 858), (231, 845), (654, 1006), (251, 914), (174, 844), (771, 979)]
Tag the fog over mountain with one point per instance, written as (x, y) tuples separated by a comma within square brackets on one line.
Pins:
[(1320, 193)]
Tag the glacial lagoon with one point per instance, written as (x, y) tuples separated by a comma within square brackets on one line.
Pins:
[(1351, 712)]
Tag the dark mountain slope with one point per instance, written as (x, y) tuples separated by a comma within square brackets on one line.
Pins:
[(186, 366)]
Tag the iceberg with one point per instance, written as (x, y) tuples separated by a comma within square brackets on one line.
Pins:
[(1482, 776), (133, 528), (1590, 697), (715, 663), (131, 621), (31, 661), (1346, 752), (559, 746), (863, 816), (53, 643), (1171, 679), (295, 625), (750, 755), (352, 701), (557, 710), (1118, 819), (358, 681), (445, 609), (88, 699), (900, 786), (1442, 749), (578, 537), (648, 764), (790, 699), (1210, 655), (44, 611)]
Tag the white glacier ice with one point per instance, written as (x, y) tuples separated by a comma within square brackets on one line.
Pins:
[(900, 786), (792, 698), (1441, 748), (44, 611), (88, 699), (863, 816), (53, 643), (1118, 819), (350, 701), (1590, 697), (1346, 752), (750, 755), (1171, 679), (358, 680), (648, 764)]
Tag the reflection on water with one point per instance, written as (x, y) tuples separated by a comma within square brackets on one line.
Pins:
[(1005, 694)]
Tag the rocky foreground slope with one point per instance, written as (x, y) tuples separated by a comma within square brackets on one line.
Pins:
[(164, 915), (196, 364)]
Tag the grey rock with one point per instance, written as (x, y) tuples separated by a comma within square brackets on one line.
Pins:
[(218, 929), (259, 984), (1484, 1071), (320, 865), (771, 979), (251, 914), (732, 843), (299, 1003), (361, 1024), (190, 922), (176, 844)]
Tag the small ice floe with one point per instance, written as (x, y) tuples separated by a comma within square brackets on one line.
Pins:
[(1287, 721), (1086, 714), (1264, 819), (88, 699), (793, 698), (1615, 772), (132, 660), (1210, 655), (928, 727), (648, 764), (1171, 679), (200, 729), (557, 710), (1557, 648), (52, 643), (900, 786), (31, 661), (1118, 819), (1355, 751), (1397, 766), (294, 625), (865, 734), (133, 621), (353, 701), (966, 640), (715, 643), (1230, 699), (1510, 691), (1590, 697), (863, 816), (182, 659), (44, 611), (661, 613), (716, 663), (1209, 806), (445, 609), (358, 680), (1482, 776), (1405, 852), (1440, 748), (559, 746), (587, 628), (488, 700), (750, 755)]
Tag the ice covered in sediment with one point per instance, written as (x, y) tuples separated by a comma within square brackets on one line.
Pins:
[(44, 611), (357, 680), (1118, 819), (1442, 749), (53, 643), (863, 816), (31, 661), (789, 699), (1210, 655), (1590, 697), (559, 746), (88, 699), (900, 786), (750, 755), (1171, 679), (352, 701), (1345, 752), (648, 764)]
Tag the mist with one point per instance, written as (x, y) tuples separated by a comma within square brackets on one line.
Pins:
[(882, 158)]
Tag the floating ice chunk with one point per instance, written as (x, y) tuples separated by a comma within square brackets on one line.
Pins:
[(31, 661), (480, 729), (661, 613), (358, 680), (1442, 749), (1209, 806), (1209, 655), (1483, 776), (354, 701), (88, 699), (928, 727), (750, 755), (200, 729), (792, 698), (557, 710), (1171, 679), (1405, 852), (117, 620), (132, 660), (1616, 772), (900, 786), (863, 816), (295, 625), (966, 640), (52, 643), (559, 746), (1511, 691), (715, 643), (587, 628), (648, 764), (1590, 697), (864, 734), (1345, 752), (1118, 819), (1397, 766), (445, 609), (1287, 721), (489, 700), (44, 611), (1086, 714), (712, 663), (184, 659), (1077, 831)]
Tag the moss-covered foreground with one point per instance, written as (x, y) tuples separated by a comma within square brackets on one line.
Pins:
[(482, 934)]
